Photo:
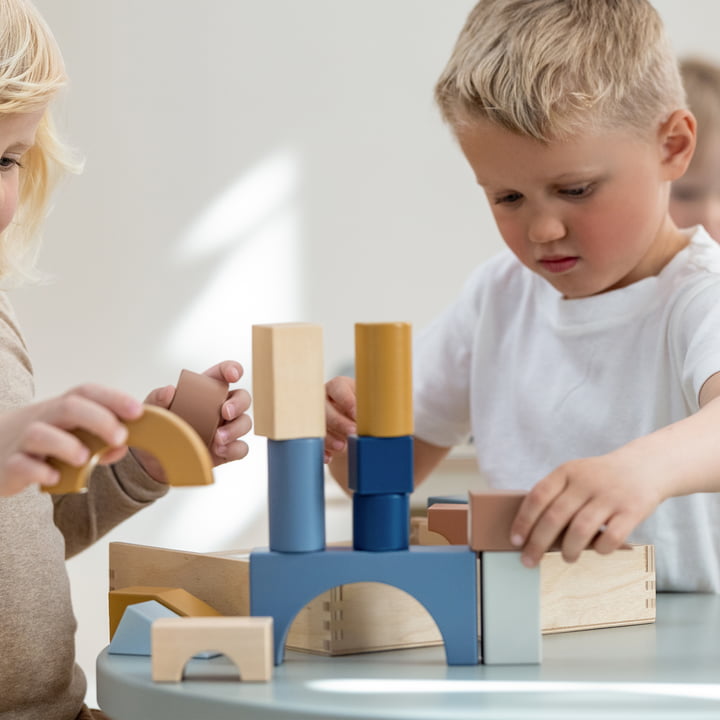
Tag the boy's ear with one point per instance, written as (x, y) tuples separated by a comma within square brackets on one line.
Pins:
[(677, 137)]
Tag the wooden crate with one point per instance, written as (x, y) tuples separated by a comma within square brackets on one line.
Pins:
[(597, 591)]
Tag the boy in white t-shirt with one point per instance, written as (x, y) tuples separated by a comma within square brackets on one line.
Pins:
[(584, 360)]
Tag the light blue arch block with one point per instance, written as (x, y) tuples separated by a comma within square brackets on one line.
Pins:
[(296, 495), (442, 578)]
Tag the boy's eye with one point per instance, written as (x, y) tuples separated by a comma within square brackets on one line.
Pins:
[(577, 192), (508, 198)]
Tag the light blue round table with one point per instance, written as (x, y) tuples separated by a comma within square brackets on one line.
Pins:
[(670, 669)]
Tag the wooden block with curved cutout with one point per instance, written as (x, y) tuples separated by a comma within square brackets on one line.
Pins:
[(247, 641), (177, 447), (198, 400), (176, 599)]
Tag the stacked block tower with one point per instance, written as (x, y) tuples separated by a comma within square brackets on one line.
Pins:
[(380, 457), (289, 396)]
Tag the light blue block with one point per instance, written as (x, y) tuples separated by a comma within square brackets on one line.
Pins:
[(442, 578), (380, 465), (296, 495), (132, 635), (381, 522), (511, 632)]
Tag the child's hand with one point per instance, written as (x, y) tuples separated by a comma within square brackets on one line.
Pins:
[(596, 501), (340, 408), (235, 422), (29, 436)]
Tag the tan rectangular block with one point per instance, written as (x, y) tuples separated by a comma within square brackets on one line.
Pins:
[(288, 381), (449, 520), (491, 515)]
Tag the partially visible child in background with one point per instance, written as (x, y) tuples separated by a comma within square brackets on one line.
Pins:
[(695, 197), (39, 679)]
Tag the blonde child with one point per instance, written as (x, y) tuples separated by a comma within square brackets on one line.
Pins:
[(38, 676), (695, 197), (584, 359)]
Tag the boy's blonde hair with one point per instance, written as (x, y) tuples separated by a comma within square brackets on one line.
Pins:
[(547, 69), (31, 72), (701, 79)]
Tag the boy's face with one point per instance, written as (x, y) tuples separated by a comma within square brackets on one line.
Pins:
[(588, 215), (695, 197)]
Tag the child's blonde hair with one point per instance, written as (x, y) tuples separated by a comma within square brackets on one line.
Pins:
[(31, 72), (547, 69), (701, 79)]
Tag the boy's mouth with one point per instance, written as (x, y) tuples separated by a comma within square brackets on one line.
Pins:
[(558, 263)]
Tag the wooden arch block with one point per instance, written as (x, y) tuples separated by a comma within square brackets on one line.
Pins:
[(177, 447), (247, 641)]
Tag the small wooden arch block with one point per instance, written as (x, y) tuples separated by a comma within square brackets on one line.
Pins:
[(177, 447), (247, 641)]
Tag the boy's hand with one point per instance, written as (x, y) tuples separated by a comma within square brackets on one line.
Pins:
[(340, 409), (226, 445), (596, 502), (31, 435)]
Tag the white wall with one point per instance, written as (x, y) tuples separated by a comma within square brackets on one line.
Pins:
[(249, 162)]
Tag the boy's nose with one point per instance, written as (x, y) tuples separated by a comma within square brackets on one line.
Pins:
[(546, 228)]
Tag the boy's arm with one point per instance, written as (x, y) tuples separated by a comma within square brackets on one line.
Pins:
[(611, 494)]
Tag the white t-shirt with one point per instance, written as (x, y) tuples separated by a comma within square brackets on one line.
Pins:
[(537, 380)]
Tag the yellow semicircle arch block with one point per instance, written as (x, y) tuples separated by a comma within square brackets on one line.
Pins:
[(172, 441)]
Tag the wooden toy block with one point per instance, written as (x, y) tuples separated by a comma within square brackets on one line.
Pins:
[(247, 641), (381, 522), (378, 465), (288, 381), (176, 599), (383, 372), (450, 520), (177, 447), (132, 635), (198, 400), (296, 494), (447, 499), (420, 534), (510, 610), (597, 591), (427, 576), (491, 517)]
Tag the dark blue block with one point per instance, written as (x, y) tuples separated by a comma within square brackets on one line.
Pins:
[(448, 500), (296, 495), (442, 578), (381, 522), (379, 465)]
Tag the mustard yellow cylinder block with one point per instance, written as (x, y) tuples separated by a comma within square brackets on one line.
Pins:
[(383, 374)]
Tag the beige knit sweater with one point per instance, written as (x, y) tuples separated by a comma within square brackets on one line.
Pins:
[(39, 679)]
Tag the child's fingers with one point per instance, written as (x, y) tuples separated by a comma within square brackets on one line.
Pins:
[(340, 393), (230, 431), (229, 371), (235, 450), (162, 397), (615, 533), (22, 470), (238, 402), (119, 403), (590, 520), (42, 440), (75, 411)]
